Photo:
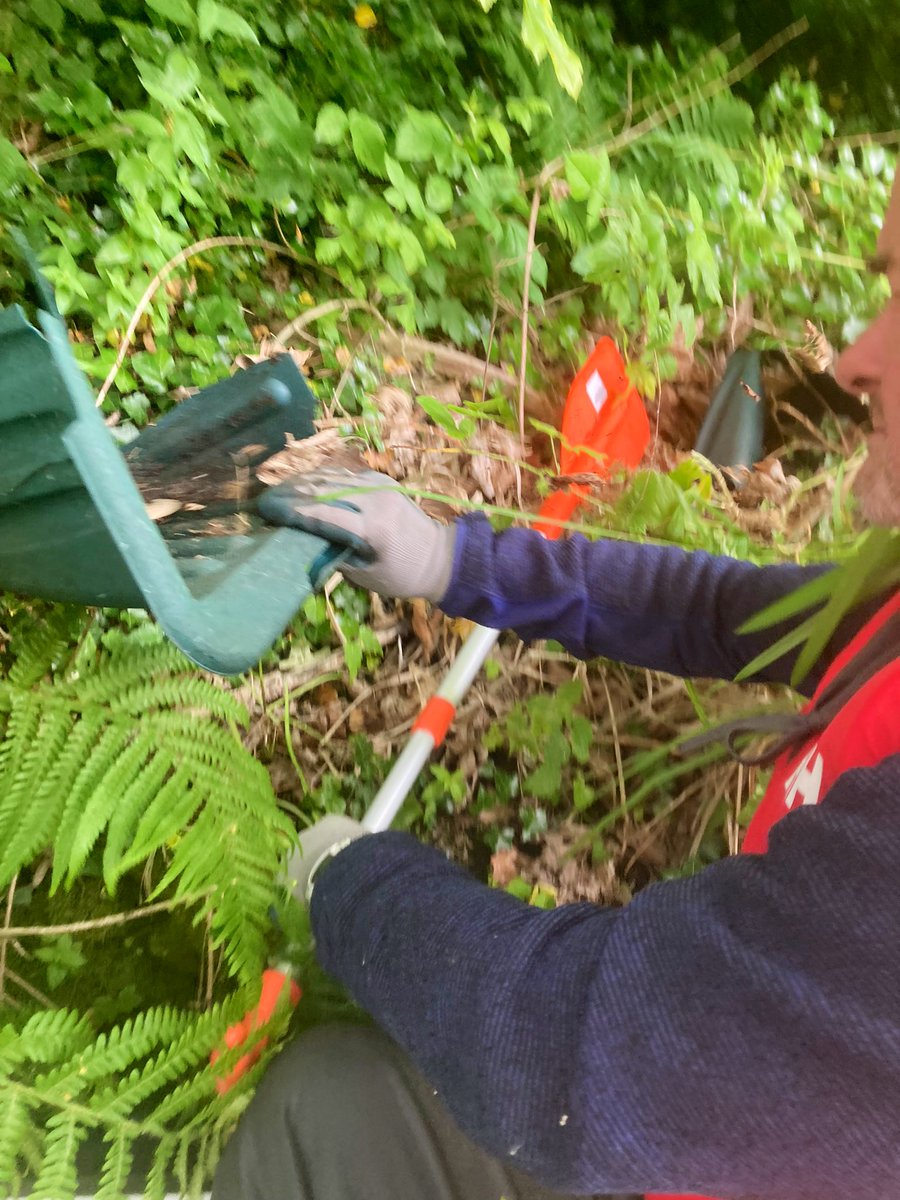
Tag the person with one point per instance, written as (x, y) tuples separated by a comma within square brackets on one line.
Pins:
[(733, 1034)]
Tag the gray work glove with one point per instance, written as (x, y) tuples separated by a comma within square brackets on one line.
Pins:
[(318, 846), (396, 549)]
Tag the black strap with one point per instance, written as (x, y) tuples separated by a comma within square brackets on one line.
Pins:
[(790, 730)]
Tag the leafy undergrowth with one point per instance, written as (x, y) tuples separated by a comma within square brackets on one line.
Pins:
[(209, 183), (557, 779)]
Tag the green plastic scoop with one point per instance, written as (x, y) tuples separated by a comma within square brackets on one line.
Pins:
[(74, 526)]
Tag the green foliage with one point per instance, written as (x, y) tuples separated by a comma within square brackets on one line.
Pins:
[(118, 743), (133, 129), (872, 568), (143, 1084), (850, 48), (553, 740)]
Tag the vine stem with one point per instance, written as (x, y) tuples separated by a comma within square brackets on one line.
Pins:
[(134, 914), (211, 243)]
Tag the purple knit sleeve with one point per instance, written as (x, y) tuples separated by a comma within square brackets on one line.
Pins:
[(650, 606)]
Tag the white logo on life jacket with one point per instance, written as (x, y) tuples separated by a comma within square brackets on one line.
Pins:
[(596, 390), (806, 781)]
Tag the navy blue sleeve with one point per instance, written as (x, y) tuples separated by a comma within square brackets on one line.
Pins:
[(650, 606), (733, 1033)]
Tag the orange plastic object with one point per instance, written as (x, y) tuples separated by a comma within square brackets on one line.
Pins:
[(436, 718), (604, 424), (272, 988)]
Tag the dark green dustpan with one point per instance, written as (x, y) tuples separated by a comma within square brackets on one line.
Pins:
[(74, 526)]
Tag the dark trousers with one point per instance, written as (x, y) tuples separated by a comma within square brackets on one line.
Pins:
[(343, 1115)]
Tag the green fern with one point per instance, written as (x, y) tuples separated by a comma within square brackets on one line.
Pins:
[(148, 1078), (121, 743)]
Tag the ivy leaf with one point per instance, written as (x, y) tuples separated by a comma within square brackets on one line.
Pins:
[(215, 18), (599, 260), (588, 176), (135, 172), (189, 138), (87, 10), (420, 136), (48, 13), (582, 735), (179, 12), (449, 417), (12, 165), (5, 65), (353, 654), (500, 134), (438, 193), (178, 81), (703, 270), (367, 139), (541, 37), (331, 124)]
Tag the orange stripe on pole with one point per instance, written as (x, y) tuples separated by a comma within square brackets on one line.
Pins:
[(436, 718)]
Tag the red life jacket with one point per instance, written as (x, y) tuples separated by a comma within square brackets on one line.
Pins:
[(863, 733)]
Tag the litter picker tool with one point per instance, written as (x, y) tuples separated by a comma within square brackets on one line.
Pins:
[(604, 425)]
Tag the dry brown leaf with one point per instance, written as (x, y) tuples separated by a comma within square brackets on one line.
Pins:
[(149, 343), (398, 426), (395, 366), (423, 625), (158, 510), (496, 451), (326, 694), (269, 348), (504, 866), (301, 455)]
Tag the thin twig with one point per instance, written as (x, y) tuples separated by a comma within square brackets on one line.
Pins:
[(325, 309), (526, 291), (276, 684), (453, 362), (100, 922), (617, 748), (685, 102), (28, 988), (888, 137), (164, 272), (10, 896)]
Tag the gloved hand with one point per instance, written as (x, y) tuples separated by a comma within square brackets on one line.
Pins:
[(318, 846), (397, 550)]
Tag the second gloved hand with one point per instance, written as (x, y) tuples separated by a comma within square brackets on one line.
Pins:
[(318, 846), (396, 549)]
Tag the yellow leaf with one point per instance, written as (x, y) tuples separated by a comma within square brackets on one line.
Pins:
[(365, 17), (306, 298)]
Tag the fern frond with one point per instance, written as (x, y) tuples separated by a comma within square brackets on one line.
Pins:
[(132, 745), (116, 1166), (190, 694), (112, 1054), (83, 820), (168, 813), (183, 1054), (132, 803), (158, 1176), (15, 1122), (50, 1036), (48, 644), (58, 1176)]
